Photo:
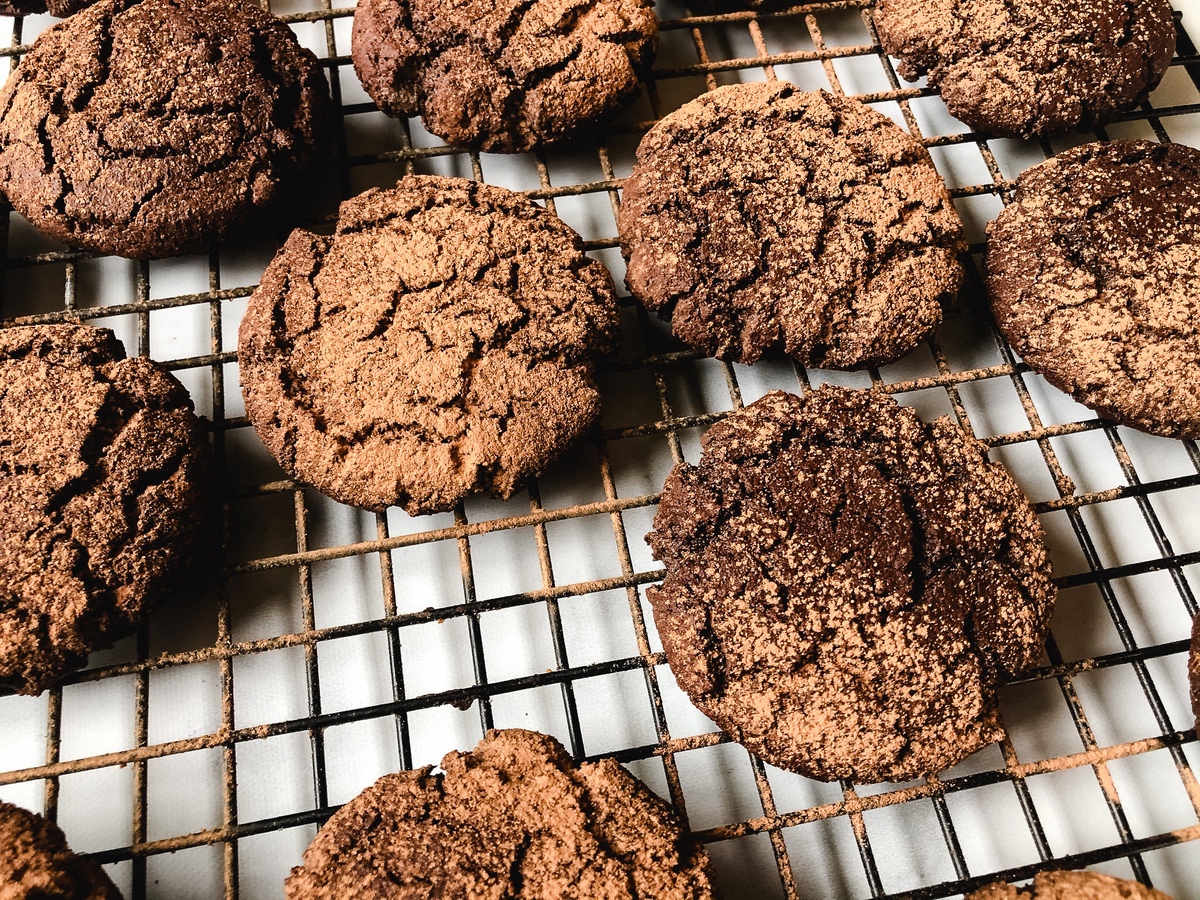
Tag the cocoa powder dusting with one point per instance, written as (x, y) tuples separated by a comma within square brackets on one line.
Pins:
[(1070, 886), (514, 818), (1021, 68), (846, 585), (441, 343), (762, 216), (35, 862), (1093, 274)]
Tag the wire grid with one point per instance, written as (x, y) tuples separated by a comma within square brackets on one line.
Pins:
[(280, 543)]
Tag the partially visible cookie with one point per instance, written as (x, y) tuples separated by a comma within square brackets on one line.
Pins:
[(146, 128), (1093, 273), (762, 216), (60, 8), (1070, 886), (846, 585), (514, 818), (441, 343), (503, 75), (103, 495), (1020, 68), (35, 862)]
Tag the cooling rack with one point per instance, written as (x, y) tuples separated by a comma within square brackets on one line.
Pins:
[(328, 646)]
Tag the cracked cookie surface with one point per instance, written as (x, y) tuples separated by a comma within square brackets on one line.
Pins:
[(145, 129), (1070, 886), (504, 76), (59, 8), (514, 818), (102, 495), (35, 861), (1093, 274), (441, 343), (759, 216), (846, 585), (1020, 68)]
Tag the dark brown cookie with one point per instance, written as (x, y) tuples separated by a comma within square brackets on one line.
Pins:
[(1070, 886), (102, 495), (846, 585), (60, 8), (147, 128), (35, 862), (1093, 273), (759, 215), (514, 818), (503, 75), (1020, 68), (442, 342)]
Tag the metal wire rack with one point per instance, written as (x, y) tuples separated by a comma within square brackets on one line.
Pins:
[(329, 646)]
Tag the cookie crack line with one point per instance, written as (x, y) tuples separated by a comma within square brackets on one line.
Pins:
[(714, 546)]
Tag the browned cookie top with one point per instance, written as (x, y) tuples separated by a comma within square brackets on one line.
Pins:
[(103, 493), (846, 585), (1028, 67), (504, 75), (35, 862), (440, 343), (759, 215), (1070, 886), (1093, 273), (514, 818), (146, 128)]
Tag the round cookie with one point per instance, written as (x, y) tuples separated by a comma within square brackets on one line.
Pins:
[(759, 215), (1070, 886), (103, 496), (35, 861), (1020, 68), (514, 818), (846, 585), (503, 75), (441, 343), (1093, 274), (98, 155)]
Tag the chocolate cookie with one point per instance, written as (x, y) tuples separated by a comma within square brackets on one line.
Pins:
[(442, 342), (514, 818), (102, 497), (1093, 273), (35, 862), (846, 585), (1020, 68), (503, 75), (60, 8), (759, 215), (1070, 886), (147, 128)]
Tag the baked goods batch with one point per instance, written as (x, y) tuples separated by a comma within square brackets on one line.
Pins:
[(846, 587)]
